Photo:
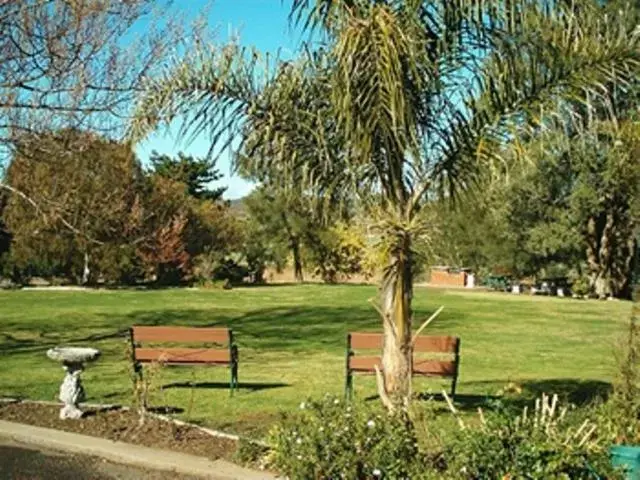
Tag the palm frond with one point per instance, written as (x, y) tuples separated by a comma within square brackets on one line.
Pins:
[(326, 14), (558, 57), (406, 93), (209, 91)]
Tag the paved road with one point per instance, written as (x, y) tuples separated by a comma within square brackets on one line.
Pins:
[(20, 462)]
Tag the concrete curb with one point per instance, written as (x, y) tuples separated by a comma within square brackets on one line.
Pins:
[(119, 452)]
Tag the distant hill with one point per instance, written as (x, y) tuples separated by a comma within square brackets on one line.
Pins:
[(238, 207)]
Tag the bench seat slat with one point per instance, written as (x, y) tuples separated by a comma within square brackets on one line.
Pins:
[(365, 364), (437, 368), (182, 355), (181, 334)]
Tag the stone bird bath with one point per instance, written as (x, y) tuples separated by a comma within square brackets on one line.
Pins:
[(71, 390)]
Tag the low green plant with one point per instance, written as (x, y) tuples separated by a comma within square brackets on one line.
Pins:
[(329, 439), (621, 414), (215, 284), (212, 270), (204, 266), (548, 442), (251, 453), (580, 286), (144, 385)]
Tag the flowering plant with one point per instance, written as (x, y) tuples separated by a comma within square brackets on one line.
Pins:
[(329, 439)]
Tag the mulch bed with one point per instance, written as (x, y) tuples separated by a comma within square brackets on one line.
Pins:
[(123, 425)]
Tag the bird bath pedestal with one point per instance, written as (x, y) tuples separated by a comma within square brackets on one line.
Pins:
[(71, 391)]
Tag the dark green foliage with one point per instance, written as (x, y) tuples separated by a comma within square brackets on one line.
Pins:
[(282, 228), (333, 257), (474, 233), (257, 255), (575, 208), (195, 173), (230, 270), (570, 211), (84, 211), (275, 227), (77, 192)]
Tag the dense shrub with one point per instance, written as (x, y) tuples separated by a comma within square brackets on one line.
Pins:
[(329, 439), (545, 443), (580, 286), (620, 416), (231, 271)]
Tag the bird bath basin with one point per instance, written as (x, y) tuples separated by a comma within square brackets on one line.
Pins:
[(71, 389)]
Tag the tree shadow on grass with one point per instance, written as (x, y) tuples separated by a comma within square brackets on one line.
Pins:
[(251, 386), (286, 328), (464, 401), (292, 328), (578, 392), (461, 401), (11, 344), (165, 410), (93, 411), (276, 328)]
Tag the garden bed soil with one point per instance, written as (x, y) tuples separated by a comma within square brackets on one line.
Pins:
[(123, 425)]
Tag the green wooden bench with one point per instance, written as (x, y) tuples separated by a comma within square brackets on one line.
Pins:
[(217, 348), (433, 356)]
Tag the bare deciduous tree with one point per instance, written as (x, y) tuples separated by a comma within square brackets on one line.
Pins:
[(75, 64)]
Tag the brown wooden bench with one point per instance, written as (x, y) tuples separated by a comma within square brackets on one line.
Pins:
[(443, 357), (225, 351)]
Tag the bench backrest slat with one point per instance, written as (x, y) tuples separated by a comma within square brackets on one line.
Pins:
[(366, 341), (423, 344), (181, 334), (432, 344)]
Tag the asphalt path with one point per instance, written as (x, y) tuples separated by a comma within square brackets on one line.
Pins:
[(22, 462)]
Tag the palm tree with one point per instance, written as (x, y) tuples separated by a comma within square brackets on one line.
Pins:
[(400, 100)]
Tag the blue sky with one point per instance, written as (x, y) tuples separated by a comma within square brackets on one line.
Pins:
[(260, 23)]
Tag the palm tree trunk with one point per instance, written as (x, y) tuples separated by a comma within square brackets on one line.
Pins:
[(396, 293)]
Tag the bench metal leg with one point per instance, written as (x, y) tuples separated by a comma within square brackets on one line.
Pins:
[(457, 370), (234, 370), (234, 378), (453, 387), (348, 388), (139, 374)]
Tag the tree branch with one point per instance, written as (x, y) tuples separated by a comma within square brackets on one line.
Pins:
[(386, 401), (39, 211), (424, 325)]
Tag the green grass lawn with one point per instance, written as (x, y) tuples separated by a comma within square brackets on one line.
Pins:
[(291, 341)]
